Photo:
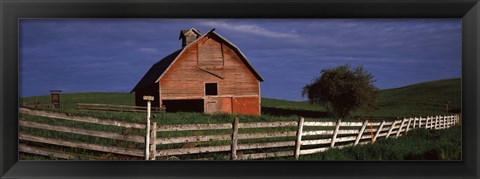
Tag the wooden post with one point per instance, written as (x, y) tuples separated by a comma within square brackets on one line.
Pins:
[(442, 119), (408, 125), (360, 134), (449, 120), (298, 142), (420, 122), (400, 129), (414, 122), (436, 122), (440, 124), (426, 123), (147, 130), (334, 137), (234, 138), (391, 129), (153, 138), (378, 131)]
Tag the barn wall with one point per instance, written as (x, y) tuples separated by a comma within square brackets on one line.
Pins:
[(187, 76), (185, 79), (246, 105)]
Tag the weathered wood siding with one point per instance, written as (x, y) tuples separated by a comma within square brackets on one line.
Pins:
[(246, 105), (209, 60)]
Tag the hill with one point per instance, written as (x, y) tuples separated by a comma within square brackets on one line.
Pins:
[(428, 98), (421, 99)]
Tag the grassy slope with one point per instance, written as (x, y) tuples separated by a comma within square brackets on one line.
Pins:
[(419, 144), (427, 98)]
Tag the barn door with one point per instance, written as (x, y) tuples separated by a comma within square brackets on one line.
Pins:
[(213, 106)]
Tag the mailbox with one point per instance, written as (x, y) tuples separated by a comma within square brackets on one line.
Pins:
[(55, 99)]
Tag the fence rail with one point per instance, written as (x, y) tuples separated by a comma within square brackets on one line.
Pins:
[(337, 137), (244, 141), (112, 107), (74, 130)]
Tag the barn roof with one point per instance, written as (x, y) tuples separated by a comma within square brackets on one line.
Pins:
[(157, 70)]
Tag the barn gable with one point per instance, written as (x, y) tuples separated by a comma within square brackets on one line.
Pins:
[(209, 74), (155, 73)]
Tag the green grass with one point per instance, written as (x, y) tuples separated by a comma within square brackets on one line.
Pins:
[(415, 100), (418, 144), (294, 105), (429, 98)]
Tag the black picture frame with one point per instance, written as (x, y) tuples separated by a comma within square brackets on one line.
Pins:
[(11, 11)]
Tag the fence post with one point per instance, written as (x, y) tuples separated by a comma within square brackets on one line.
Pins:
[(408, 125), (400, 129), (147, 131), (234, 138), (360, 134), (378, 132), (449, 121), (452, 118), (334, 137), (153, 143), (426, 123), (420, 123), (436, 122), (440, 122), (298, 142), (391, 129), (414, 122), (431, 123)]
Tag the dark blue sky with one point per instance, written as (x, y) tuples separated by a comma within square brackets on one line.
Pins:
[(111, 55)]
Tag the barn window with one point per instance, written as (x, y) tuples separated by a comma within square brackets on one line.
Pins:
[(211, 89)]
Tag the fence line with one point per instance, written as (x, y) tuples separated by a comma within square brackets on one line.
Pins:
[(88, 119), (73, 130), (338, 137), (113, 107), (296, 138)]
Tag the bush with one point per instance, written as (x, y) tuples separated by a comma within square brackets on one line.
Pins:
[(342, 90)]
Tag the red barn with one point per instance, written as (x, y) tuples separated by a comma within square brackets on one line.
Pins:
[(208, 74)]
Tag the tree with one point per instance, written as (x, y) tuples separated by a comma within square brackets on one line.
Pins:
[(342, 90)]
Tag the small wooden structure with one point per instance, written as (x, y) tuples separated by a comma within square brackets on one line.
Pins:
[(55, 99), (208, 74)]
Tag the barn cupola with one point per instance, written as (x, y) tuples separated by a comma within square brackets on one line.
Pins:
[(188, 36)]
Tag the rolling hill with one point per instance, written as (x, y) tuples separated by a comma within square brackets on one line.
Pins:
[(428, 98)]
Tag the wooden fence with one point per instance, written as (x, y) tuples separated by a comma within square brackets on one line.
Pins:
[(112, 107), (238, 141), (23, 136), (341, 135)]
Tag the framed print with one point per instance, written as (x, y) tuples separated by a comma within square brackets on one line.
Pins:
[(217, 88)]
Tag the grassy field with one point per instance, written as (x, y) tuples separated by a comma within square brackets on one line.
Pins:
[(422, 99), (429, 98), (419, 144)]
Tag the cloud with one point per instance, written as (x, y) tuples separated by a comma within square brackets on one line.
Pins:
[(249, 28), (148, 50)]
